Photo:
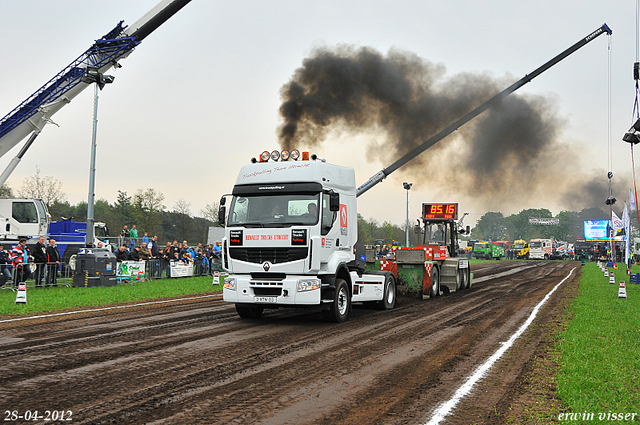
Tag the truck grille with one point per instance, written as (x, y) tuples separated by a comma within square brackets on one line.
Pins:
[(272, 288), (272, 255)]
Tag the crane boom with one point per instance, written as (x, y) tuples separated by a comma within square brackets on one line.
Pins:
[(382, 174), (31, 115)]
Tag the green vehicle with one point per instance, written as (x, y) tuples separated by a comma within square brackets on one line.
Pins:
[(487, 250)]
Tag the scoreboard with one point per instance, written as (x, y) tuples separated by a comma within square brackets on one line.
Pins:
[(440, 211)]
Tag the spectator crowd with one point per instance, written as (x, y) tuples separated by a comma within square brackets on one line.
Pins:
[(205, 258), (18, 264)]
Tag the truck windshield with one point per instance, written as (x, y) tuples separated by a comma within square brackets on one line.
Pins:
[(274, 210), (535, 245), (481, 246), (434, 233), (100, 232), (518, 245), (24, 212)]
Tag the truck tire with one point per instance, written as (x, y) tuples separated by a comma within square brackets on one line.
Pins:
[(466, 278), (435, 283), (340, 305), (459, 280), (69, 254), (389, 297), (248, 311), (546, 256)]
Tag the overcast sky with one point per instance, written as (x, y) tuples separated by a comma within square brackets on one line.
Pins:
[(200, 96)]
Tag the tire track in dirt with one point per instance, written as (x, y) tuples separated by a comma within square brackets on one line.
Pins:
[(198, 362)]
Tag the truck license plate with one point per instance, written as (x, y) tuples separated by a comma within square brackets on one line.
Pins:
[(264, 299)]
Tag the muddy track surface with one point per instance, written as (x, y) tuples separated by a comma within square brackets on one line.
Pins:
[(198, 362)]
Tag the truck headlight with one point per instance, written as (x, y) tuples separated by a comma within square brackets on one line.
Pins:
[(230, 283), (308, 284)]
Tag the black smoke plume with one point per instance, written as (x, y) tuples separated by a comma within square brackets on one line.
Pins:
[(510, 154)]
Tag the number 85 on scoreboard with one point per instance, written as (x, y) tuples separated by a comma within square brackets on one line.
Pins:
[(440, 211)]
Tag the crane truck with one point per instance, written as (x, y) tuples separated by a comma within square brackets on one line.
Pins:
[(30, 116), (291, 231)]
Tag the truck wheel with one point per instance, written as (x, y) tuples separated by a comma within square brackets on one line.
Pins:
[(389, 298), (340, 305), (466, 278), (546, 256), (72, 262), (459, 280), (69, 254), (435, 283), (249, 311)]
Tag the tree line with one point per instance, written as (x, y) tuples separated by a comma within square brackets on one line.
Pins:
[(495, 226), (144, 208)]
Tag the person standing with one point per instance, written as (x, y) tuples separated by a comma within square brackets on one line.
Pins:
[(53, 262), (124, 236), (21, 260), (154, 253), (133, 234), (40, 258), (217, 250), (5, 261)]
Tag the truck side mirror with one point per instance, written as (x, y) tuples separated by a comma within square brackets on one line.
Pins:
[(223, 200), (468, 229), (222, 213), (334, 201)]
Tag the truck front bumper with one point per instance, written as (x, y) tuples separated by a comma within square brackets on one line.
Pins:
[(290, 291)]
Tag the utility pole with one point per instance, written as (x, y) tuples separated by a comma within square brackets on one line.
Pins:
[(407, 186), (93, 76)]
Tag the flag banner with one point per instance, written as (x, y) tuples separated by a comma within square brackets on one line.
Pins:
[(626, 220), (632, 201), (616, 222)]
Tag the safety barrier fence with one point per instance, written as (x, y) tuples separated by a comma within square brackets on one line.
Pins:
[(128, 271)]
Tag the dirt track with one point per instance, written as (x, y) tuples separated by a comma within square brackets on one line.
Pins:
[(197, 362)]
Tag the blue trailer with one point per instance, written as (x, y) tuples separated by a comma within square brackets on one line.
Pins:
[(71, 235)]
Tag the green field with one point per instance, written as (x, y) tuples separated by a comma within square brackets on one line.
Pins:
[(600, 349), (63, 298)]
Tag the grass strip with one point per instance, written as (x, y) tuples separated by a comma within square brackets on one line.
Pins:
[(600, 349), (64, 298)]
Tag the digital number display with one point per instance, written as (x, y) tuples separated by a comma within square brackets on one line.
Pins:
[(440, 211)]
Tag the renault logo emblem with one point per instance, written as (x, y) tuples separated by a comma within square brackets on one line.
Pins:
[(266, 266)]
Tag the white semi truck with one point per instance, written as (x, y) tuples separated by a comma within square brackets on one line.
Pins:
[(22, 218), (291, 238), (291, 229)]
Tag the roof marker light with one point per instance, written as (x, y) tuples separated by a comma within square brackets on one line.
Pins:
[(295, 154), (275, 155), (285, 155), (264, 156), (305, 156)]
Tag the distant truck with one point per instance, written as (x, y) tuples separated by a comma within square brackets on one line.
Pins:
[(487, 250), (521, 249), (22, 218), (540, 249), (71, 235), (561, 250), (216, 234)]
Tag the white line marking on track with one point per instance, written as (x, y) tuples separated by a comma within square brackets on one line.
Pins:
[(107, 308), (446, 407)]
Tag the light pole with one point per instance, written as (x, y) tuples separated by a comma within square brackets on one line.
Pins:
[(93, 76), (407, 186)]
